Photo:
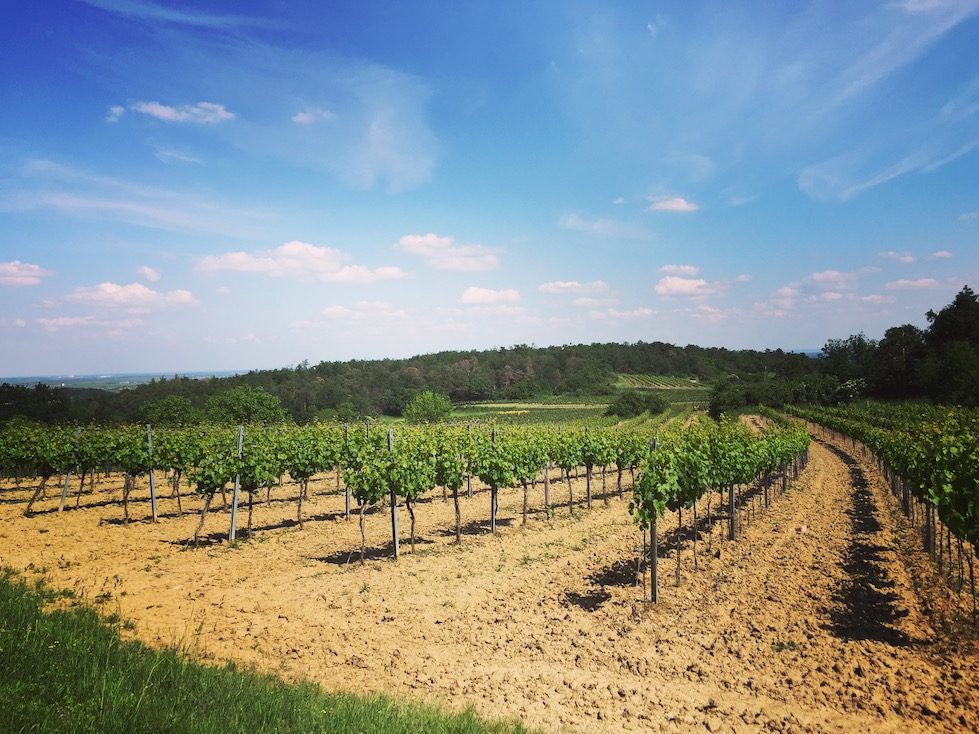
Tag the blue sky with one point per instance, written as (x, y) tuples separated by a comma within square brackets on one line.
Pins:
[(209, 186)]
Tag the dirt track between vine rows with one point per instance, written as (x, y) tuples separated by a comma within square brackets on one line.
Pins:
[(820, 618)]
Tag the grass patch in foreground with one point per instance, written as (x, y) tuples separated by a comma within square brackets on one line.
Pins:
[(68, 670)]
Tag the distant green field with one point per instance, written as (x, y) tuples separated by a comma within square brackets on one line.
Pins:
[(531, 412)]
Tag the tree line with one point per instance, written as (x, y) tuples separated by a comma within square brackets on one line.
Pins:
[(347, 390), (939, 363)]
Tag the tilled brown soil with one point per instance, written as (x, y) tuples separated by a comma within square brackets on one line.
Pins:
[(823, 616)]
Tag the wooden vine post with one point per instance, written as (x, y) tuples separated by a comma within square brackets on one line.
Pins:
[(237, 487), (346, 501), (493, 487), (64, 489), (394, 501), (149, 448), (732, 530), (653, 557)]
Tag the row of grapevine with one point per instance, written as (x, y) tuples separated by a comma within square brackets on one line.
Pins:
[(930, 455), (702, 457), (678, 468), (373, 464)]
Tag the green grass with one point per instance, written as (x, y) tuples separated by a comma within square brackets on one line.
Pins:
[(68, 670)]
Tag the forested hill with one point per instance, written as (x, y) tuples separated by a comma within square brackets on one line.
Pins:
[(364, 387)]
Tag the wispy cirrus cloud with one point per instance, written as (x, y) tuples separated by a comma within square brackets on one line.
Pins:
[(606, 228), (201, 113), (379, 135), (17, 273), (940, 255), (149, 11), (175, 155), (299, 260), (115, 113), (443, 253), (49, 185)]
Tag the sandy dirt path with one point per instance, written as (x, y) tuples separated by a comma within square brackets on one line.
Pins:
[(813, 621)]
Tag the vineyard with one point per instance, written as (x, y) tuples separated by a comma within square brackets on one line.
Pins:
[(527, 556), (659, 382), (930, 457), (678, 466)]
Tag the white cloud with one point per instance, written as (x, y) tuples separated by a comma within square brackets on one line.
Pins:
[(18, 273), (783, 300), (833, 279), (830, 296), (308, 117), (362, 310), (901, 257), (148, 273), (906, 284), (112, 327), (475, 296), (635, 313), (114, 113), (969, 216), (134, 295), (610, 228), (442, 253), (573, 286), (612, 314), (618, 200), (878, 299), (705, 312), (672, 204), (672, 285), (202, 113), (222, 290), (680, 269), (941, 254), (743, 278), (298, 260)]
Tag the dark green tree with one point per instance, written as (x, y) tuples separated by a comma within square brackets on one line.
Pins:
[(896, 363), (245, 404), (427, 407)]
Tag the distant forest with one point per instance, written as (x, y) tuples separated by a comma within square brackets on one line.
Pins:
[(940, 363)]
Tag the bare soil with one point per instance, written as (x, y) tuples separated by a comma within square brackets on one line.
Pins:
[(823, 617)]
